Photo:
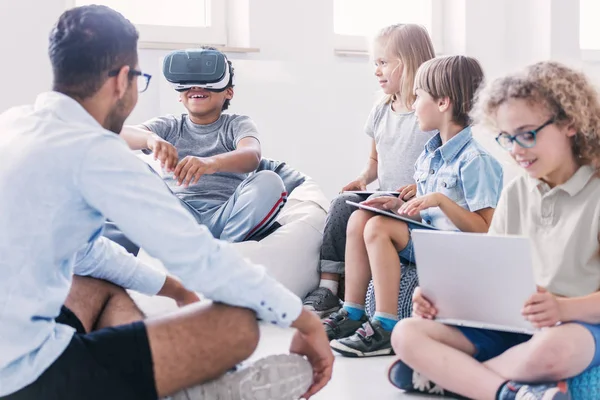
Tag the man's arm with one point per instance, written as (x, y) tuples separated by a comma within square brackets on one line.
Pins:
[(104, 259), (121, 187)]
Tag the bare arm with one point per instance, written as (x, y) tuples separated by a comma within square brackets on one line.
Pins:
[(465, 220), (584, 309), (368, 175), (245, 158), (136, 137)]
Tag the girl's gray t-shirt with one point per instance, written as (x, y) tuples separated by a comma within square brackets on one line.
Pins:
[(399, 142)]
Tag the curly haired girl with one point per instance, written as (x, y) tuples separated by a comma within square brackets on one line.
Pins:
[(548, 118)]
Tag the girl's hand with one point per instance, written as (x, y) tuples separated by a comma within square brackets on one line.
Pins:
[(421, 306), (390, 203), (407, 192), (357, 184), (542, 309), (419, 204)]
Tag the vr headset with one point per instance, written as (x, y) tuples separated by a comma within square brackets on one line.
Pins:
[(208, 69)]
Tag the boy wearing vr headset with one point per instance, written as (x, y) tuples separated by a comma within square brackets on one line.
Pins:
[(208, 156)]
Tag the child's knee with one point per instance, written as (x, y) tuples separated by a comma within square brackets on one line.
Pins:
[(376, 228), (405, 334), (268, 182), (548, 356), (357, 222)]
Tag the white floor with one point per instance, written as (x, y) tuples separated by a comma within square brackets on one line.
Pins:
[(353, 379)]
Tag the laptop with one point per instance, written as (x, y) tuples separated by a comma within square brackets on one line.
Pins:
[(372, 192), (411, 222), (476, 280)]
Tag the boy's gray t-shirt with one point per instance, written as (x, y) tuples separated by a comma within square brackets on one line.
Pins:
[(191, 139), (399, 142)]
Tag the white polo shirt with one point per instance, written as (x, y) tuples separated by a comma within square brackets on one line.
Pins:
[(563, 224)]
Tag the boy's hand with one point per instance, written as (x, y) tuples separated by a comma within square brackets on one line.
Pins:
[(419, 204), (542, 309), (174, 289), (390, 203), (190, 169), (357, 184), (407, 192), (164, 152), (421, 306)]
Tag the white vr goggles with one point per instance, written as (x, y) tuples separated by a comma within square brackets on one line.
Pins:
[(207, 69)]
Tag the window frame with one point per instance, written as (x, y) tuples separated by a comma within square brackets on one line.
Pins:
[(359, 44), (214, 34)]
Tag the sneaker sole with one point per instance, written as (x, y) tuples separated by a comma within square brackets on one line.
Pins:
[(350, 352), (278, 377)]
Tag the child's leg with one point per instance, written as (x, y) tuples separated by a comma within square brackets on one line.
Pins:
[(358, 271), (384, 237), (251, 210), (325, 299), (443, 354)]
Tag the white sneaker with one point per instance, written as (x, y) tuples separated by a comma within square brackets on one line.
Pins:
[(277, 377)]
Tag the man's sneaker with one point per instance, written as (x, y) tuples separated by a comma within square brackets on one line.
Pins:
[(541, 391), (405, 378), (339, 325), (368, 341), (322, 302), (279, 377)]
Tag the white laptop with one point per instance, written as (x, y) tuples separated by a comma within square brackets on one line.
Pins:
[(476, 280), (411, 222)]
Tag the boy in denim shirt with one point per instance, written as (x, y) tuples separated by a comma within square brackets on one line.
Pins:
[(458, 187)]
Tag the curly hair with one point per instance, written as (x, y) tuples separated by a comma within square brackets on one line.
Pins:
[(564, 92)]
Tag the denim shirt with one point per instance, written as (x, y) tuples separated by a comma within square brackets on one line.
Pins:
[(460, 169)]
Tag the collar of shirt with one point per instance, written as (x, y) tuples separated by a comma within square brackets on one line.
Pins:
[(452, 147), (572, 187), (66, 108)]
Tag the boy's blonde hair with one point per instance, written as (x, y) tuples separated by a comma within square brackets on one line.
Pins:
[(411, 44), (567, 94), (455, 77)]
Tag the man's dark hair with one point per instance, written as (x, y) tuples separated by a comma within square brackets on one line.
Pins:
[(231, 72), (86, 44)]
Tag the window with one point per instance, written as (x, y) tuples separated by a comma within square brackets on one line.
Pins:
[(589, 32), (356, 20), (174, 21)]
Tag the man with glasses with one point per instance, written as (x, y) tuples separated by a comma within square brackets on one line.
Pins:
[(68, 329)]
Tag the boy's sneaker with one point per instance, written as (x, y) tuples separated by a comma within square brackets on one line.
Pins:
[(540, 391), (405, 378), (339, 325), (278, 377), (368, 341), (322, 302)]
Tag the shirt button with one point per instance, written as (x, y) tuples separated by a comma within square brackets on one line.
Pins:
[(432, 171), (428, 222), (444, 184)]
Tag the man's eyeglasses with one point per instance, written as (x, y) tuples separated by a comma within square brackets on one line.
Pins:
[(143, 79), (524, 139)]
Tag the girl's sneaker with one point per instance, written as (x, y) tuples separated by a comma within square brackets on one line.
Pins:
[(368, 341), (339, 325)]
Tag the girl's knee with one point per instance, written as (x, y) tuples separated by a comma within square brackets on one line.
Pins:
[(376, 228), (357, 222)]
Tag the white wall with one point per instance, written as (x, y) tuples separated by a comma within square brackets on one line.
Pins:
[(309, 104)]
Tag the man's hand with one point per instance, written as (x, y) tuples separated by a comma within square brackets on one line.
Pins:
[(421, 306), (174, 289), (357, 184), (190, 169), (542, 309), (311, 341), (390, 203), (419, 204), (164, 152), (407, 192)]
